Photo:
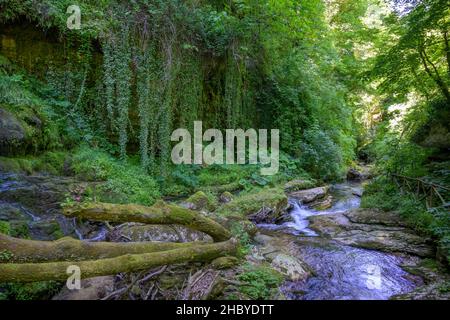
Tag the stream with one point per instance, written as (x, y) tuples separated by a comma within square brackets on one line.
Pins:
[(340, 272)]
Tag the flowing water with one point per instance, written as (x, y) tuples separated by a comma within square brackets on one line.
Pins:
[(34, 202), (340, 272)]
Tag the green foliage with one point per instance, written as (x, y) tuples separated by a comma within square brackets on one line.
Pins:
[(124, 182), (238, 231), (31, 291), (92, 164), (5, 256), (20, 230), (168, 63), (321, 157), (5, 227), (259, 282), (49, 162)]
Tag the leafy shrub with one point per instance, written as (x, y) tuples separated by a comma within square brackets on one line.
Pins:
[(43, 290), (321, 157), (400, 157), (238, 231), (259, 282), (92, 164), (5, 227), (124, 182)]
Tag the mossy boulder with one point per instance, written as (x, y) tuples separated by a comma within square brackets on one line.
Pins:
[(224, 262), (226, 197), (12, 133), (251, 203), (91, 289), (201, 201), (322, 204), (45, 230), (300, 184)]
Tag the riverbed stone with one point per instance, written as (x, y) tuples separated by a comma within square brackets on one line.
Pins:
[(310, 195), (91, 289), (166, 233), (372, 229), (322, 204), (433, 291), (294, 269), (200, 202)]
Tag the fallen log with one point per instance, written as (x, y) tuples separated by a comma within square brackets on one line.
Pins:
[(70, 249), (160, 213), (31, 272)]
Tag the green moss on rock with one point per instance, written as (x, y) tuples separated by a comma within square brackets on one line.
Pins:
[(224, 262), (297, 185), (247, 204), (202, 201)]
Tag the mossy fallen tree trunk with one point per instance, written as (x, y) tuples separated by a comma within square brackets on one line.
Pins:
[(160, 213), (31, 272), (69, 249), (30, 260)]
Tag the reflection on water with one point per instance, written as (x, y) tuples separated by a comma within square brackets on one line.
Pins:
[(343, 273)]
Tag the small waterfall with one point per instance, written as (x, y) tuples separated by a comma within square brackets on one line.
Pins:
[(75, 227), (101, 236), (300, 214)]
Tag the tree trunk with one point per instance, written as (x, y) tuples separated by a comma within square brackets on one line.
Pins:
[(31, 272), (69, 249), (160, 213), (436, 76)]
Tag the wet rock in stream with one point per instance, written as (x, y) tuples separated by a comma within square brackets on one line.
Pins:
[(310, 195), (372, 229)]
